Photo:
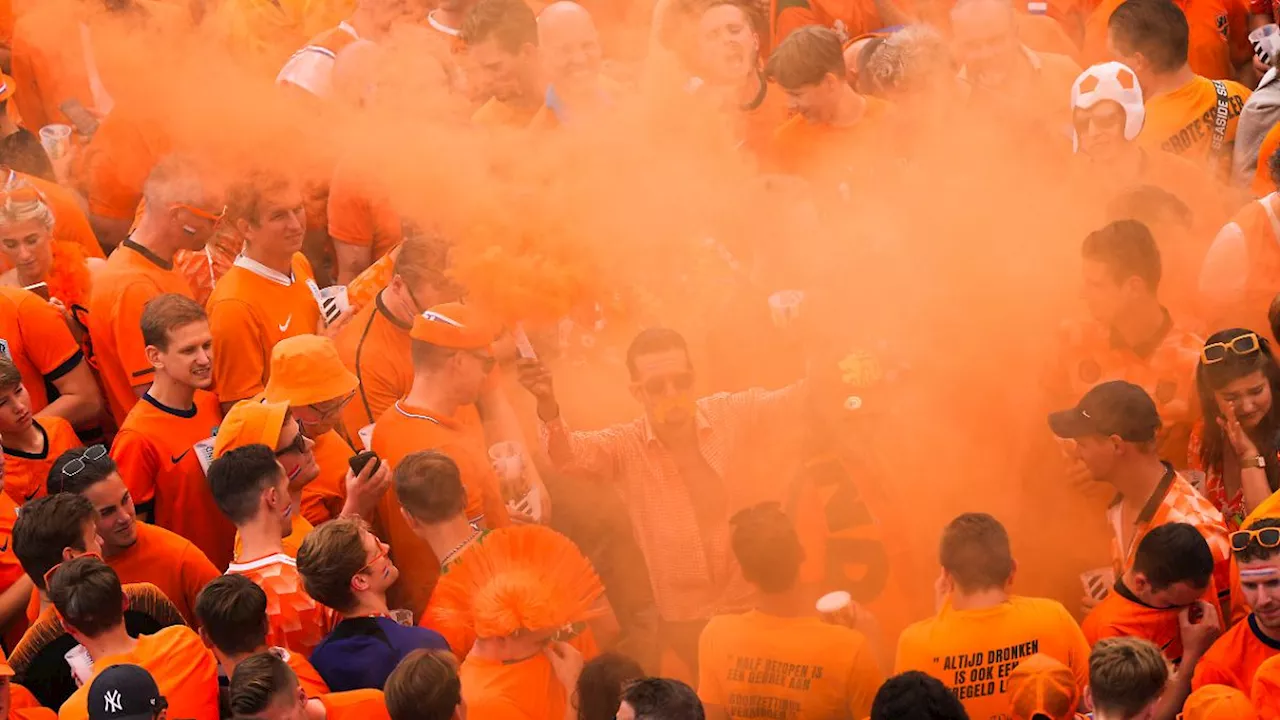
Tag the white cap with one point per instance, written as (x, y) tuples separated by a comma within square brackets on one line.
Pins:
[(1109, 81)]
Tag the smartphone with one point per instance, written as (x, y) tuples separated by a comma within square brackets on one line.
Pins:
[(358, 462), (40, 288), (523, 346), (83, 120)]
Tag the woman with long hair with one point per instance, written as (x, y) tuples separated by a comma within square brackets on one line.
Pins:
[(1234, 446)]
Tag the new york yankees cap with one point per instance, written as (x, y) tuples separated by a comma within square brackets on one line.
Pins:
[(124, 692)]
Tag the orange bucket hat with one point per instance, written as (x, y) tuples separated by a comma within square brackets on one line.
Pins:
[(306, 370), (250, 422), (1218, 702)]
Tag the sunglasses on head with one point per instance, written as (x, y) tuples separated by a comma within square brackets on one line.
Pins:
[(1246, 344), (20, 194), (1266, 537), (201, 212), (75, 466), (680, 382)]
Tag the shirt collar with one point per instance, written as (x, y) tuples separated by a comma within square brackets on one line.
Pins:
[(146, 253), (1145, 348), (257, 268), (424, 414), (702, 424)]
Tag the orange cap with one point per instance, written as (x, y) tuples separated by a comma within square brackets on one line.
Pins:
[(1042, 686), (305, 370), (250, 422), (1266, 684), (454, 325), (1218, 702)]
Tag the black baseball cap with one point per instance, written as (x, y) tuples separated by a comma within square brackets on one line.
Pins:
[(1111, 408), (125, 692)]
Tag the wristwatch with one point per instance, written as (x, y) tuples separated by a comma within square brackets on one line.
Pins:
[(1257, 461)]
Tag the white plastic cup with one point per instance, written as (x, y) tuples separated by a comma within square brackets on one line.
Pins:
[(81, 664), (333, 302), (784, 306), (1266, 42), (508, 460), (1097, 583), (56, 140), (837, 608)]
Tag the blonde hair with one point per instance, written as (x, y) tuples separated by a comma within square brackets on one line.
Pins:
[(909, 59), (15, 211)]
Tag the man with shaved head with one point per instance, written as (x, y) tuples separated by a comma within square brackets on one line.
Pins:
[(569, 47)]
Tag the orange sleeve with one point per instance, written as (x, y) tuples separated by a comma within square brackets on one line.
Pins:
[(126, 326), (24, 706), (139, 463), (865, 679), (49, 343), (1238, 32), (350, 214), (308, 678), (355, 705), (237, 350), (1210, 672), (197, 571), (1077, 648)]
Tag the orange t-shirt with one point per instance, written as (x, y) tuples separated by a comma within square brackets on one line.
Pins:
[(159, 451), (828, 153), (360, 212), (184, 669), (298, 622), (168, 561), (973, 651), (1210, 22), (375, 346), (26, 474), (323, 498), (403, 430), (118, 160), (355, 705), (308, 677), (524, 690), (811, 668), (1182, 121), (1235, 657), (24, 706), (251, 309), (35, 337), (132, 276), (497, 114), (1122, 614)]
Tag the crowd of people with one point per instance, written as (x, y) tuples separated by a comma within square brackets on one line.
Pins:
[(308, 309)]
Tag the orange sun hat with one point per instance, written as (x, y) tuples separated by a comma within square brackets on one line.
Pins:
[(306, 370)]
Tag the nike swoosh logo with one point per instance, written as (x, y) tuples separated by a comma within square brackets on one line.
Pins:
[(30, 496), (178, 459), (285, 325), (5, 547)]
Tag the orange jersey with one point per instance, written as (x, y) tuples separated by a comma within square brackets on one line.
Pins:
[(1182, 122), (161, 452), (375, 346), (132, 276), (812, 668), (251, 309), (35, 337), (524, 690), (360, 212), (403, 430), (828, 153), (973, 651), (299, 528), (168, 561), (298, 622), (26, 473), (323, 498), (355, 705), (184, 669), (497, 114), (1122, 614), (1236, 656)]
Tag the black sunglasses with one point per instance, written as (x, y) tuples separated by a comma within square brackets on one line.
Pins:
[(679, 382), (299, 444)]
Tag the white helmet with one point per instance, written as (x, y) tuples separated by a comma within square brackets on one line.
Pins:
[(1109, 81)]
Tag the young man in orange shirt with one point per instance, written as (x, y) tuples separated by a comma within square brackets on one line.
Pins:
[(1217, 38), (252, 489), (1127, 679), (1187, 114), (981, 631), (1234, 659), (308, 375), (36, 338), (234, 624), (375, 345), (30, 443), (781, 632), (166, 442), (52, 530), (269, 294), (138, 552), (452, 357), (91, 603), (264, 686), (502, 48), (180, 214)]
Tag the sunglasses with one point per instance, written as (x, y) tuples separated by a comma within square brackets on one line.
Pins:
[(384, 550), (1246, 344), (299, 444), (53, 570), (75, 466), (1266, 537), (680, 382), (21, 194), (201, 212), (332, 407)]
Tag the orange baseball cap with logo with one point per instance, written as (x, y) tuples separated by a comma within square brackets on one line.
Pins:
[(250, 422), (1042, 688), (1218, 702), (306, 370), (454, 325)]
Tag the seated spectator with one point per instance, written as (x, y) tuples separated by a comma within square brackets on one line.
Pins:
[(90, 601), (1127, 676), (659, 699), (232, 611), (31, 443), (600, 685), (345, 567), (914, 695), (425, 686), (264, 686), (137, 552), (251, 488), (782, 633), (1235, 657)]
